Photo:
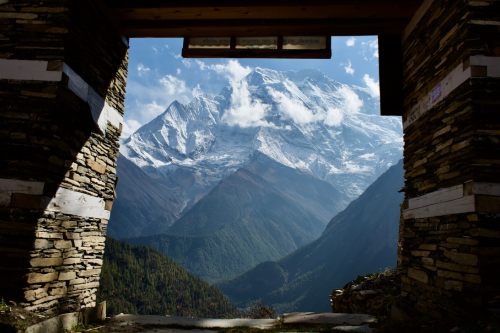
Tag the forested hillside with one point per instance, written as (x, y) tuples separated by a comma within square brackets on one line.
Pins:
[(361, 239), (136, 279)]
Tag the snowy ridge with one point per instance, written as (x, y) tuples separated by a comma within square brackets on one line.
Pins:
[(302, 119)]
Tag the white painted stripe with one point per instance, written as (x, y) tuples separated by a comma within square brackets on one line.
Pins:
[(102, 112), (485, 22), (110, 115), (79, 204), (32, 70), (439, 196), (458, 206), (9, 186), (492, 64), (452, 200), (452, 81)]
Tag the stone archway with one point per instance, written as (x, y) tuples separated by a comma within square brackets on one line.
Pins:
[(63, 68)]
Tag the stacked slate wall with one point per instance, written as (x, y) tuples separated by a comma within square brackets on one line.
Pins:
[(63, 68), (450, 229)]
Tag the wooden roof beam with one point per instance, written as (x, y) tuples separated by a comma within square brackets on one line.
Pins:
[(354, 10), (222, 28)]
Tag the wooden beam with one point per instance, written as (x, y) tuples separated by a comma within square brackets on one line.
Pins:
[(227, 28), (353, 10), (246, 53)]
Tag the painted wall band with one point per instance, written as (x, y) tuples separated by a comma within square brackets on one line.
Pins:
[(80, 204), (31, 70), (39, 70), (465, 198), (65, 201)]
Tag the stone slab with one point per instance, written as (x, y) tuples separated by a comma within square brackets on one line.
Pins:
[(354, 329), (166, 321), (62, 323), (328, 318)]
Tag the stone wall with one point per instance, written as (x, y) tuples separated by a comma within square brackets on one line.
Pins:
[(450, 231), (63, 69)]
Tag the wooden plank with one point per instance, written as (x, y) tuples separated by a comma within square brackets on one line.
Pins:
[(76, 203), (492, 64), (170, 11), (227, 28), (439, 196), (32, 70), (458, 206), (257, 53), (21, 186)]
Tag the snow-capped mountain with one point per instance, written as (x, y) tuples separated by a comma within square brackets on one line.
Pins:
[(303, 120)]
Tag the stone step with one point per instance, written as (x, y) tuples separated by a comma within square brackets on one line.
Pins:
[(344, 322), (335, 319)]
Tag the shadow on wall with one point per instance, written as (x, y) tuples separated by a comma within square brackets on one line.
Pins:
[(59, 143)]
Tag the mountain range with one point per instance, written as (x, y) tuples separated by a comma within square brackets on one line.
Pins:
[(361, 239), (252, 174)]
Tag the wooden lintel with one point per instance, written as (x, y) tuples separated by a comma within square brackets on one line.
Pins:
[(168, 10), (227, 28), (248, 53)]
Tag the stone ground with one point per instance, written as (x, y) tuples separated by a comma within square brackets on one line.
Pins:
[(293, 322)]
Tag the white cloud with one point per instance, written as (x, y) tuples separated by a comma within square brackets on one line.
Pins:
[(370, 49), (129, 127), (142, 70), (244, 111), (374, 46), (232, 69), (173, 85), (348, 68), (372, 86), (186, 62), (178, 71), (151, 98), (150, 110), (350, 42), (350, 100), (203, 66), (197, 91), (334, 117), (294, 109)]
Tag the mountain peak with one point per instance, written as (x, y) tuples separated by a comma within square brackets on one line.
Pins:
[(301, 119)]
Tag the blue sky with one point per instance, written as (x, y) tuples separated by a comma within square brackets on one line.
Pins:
[(158, 74)]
